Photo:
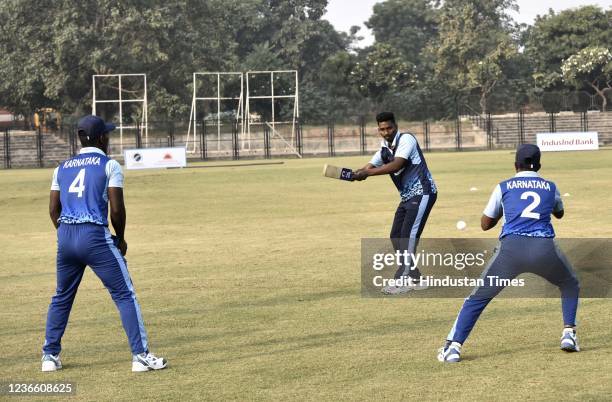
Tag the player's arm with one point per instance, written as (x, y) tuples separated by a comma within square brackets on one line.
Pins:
[(486, 222), (117, 205), (357, 175), (558, 210), (392, 167), (405, 147), (374, 162), (55, 207), (493, 211), (118, 216)]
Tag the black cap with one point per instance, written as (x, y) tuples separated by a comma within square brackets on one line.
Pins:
[(93, 127), (528, 155)]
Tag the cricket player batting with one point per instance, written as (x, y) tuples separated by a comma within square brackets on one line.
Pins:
[(80, 192), (525, 202), (400, 157)]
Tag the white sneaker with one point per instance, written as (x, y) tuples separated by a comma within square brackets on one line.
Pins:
[(147, 361), (398, 290), (395, 290), (569, 340), (51, 362), (420, 285), (450, 352)]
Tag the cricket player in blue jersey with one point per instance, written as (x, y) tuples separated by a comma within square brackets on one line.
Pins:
[(400, 157), (80, 192), (525, 202)]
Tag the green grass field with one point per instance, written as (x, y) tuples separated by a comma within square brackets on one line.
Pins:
[(249, 282)]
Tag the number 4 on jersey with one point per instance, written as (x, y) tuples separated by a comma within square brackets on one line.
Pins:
[(78, 184)]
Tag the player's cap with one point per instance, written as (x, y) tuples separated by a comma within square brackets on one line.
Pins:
[(528, 154), (93, 126)]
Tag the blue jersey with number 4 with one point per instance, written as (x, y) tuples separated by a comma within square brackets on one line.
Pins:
[(527, 202), (83, 183)]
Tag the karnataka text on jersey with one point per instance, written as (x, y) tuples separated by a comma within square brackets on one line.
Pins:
[(88, 161), (525, 184)]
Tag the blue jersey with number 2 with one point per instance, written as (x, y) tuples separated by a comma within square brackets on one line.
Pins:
[(527, 202), (83, 183)]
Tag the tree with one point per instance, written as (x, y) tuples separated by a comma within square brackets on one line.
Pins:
[(262, 58), (337, 96), (25, 57), (487, 73), (475, 44), (58, 55), (591, 66), (50, 60), (293, 30), (406, 25), (384, 70), (555, 37), (295, 37)]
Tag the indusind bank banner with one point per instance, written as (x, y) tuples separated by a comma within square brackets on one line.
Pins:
[(568, 141)]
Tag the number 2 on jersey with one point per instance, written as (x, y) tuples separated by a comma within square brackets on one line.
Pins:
[(528, 211), (78, 184)]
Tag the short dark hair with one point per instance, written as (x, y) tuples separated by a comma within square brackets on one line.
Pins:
[(528, 164), (87, 141), (385, 116)]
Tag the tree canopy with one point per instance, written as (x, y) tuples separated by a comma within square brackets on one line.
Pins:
[(427, 53), (554, 37), (591, 66)]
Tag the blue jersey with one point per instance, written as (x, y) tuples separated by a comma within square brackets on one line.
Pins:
[(414, 178), (526, 202), (83, 183)]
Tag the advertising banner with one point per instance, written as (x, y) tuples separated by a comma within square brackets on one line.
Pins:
[(568, 141), (154, 158)]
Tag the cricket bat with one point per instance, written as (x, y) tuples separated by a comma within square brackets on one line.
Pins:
[(338, 173)]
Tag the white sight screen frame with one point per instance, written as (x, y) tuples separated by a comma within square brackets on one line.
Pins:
[(120, 101)]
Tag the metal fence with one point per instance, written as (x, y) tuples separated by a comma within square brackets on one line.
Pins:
[(47, 146), (501, 102)]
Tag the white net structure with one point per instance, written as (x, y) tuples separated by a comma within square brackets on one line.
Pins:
[(122, 98), (217, 107), (272, 105), (252, 113)]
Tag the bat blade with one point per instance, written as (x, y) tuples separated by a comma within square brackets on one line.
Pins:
[(335, 172)]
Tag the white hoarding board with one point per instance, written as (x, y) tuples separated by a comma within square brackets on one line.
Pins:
[(568, 141), (152, 158)]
